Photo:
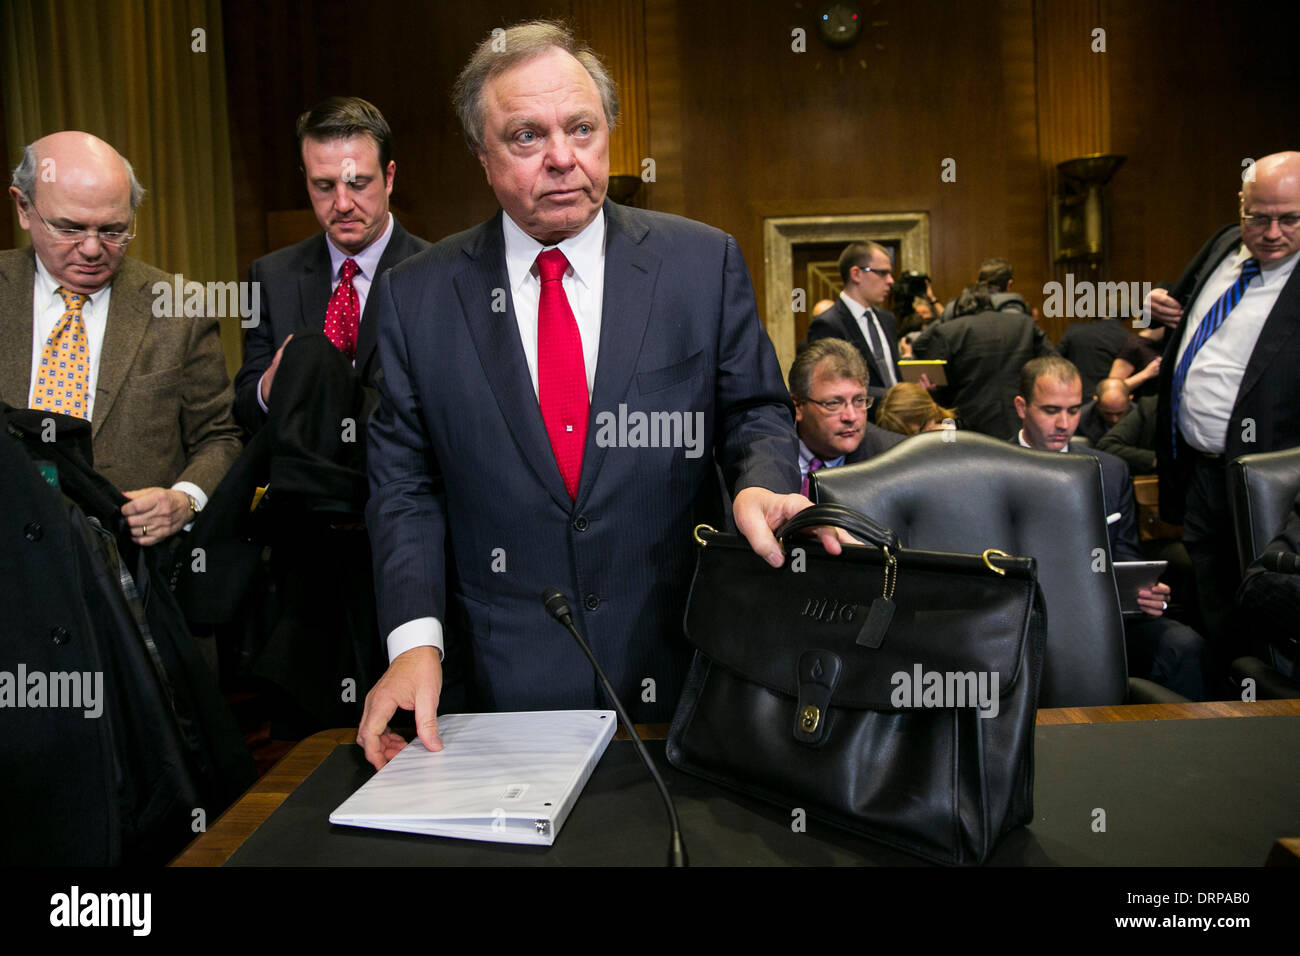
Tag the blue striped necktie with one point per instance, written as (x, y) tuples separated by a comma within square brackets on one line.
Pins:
[(1213, 319)]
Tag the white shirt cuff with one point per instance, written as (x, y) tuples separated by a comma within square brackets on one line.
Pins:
[(421, 632), (261, 404), (190, 488)]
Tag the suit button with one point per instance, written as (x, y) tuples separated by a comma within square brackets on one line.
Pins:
[(580, 523), (59, 635), (33, 531), (591, 602)]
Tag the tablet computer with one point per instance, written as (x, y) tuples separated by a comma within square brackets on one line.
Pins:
[(1133, 576), (913, 369)]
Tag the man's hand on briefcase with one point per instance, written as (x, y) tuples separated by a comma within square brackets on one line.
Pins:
[(758, 512)]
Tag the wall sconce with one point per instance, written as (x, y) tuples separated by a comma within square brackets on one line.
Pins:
[(1080, 220)]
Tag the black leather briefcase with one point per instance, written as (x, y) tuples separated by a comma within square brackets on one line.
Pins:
[(889, 691)]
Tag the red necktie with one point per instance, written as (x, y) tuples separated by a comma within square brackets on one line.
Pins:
[(561, 373), (343, 316)]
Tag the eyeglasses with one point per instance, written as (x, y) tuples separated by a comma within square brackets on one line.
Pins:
[(833, 405), (883, 273), (1288, 221), (75, 237)]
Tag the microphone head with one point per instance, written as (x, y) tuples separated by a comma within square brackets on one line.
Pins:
[(557, 605)]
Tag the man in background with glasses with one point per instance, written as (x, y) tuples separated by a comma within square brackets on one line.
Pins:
[(79, 337), (1230, 378), (857, 316), (828, 383)]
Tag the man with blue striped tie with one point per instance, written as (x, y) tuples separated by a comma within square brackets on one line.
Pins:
[(1230, 380)]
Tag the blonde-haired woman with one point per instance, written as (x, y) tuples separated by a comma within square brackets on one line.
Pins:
[(908, 409)]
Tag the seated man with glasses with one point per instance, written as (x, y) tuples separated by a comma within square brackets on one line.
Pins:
[(857, 316), (1228, 379), (81, 338), (828, 383)]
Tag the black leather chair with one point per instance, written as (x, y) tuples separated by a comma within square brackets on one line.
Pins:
[(1261, 490), (971, 492)]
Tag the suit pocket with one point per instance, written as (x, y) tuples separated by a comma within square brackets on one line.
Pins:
[(659, 379), (168, 378), (474, 618)]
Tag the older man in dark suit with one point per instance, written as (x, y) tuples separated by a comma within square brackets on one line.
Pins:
[(857, 316), (1230, 379), (524, 363), (323, 284), (81, 337)]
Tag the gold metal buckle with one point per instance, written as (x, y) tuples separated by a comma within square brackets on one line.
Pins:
[(702, 527), (810, 718), (994, 552)]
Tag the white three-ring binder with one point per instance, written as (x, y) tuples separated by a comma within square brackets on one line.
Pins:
[(505, 778)]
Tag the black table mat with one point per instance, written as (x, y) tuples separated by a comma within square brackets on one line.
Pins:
[(1214, 792)]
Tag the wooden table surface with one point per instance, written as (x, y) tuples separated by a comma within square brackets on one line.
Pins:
[(234, 826)]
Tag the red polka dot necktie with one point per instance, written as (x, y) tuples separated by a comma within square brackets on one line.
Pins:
[(561, 373), (343, 317), (63, 377)]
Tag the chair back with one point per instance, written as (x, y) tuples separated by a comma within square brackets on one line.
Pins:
[(1261, 488), (965, 492)]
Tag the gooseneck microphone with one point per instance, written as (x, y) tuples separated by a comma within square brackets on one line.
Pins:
[(557, 605)]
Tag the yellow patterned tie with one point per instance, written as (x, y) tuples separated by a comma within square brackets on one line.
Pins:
[(61, 378)]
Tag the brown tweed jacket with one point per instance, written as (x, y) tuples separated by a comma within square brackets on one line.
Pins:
[(163, 399)]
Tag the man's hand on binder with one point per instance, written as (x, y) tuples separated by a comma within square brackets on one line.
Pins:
[(413, 681)]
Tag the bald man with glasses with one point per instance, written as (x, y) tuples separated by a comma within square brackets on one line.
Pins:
[(79, 337), (1230, 377)]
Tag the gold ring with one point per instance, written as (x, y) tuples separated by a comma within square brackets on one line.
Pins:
[(144, 531)]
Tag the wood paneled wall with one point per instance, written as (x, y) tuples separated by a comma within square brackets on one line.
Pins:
[(742, 127)]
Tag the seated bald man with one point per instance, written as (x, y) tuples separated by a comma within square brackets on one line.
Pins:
[(80, 337)]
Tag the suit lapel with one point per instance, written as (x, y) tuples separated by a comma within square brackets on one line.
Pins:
[(858, 339), (314, 287), (17, 276), (501, 354), (630, 274), (129, 310), (1281, 324), (367, 335)]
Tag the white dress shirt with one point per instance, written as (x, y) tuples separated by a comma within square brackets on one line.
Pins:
[(584, 285), (1214, 378), (367, 264), (47, 308), (806, 456), (862, 315)]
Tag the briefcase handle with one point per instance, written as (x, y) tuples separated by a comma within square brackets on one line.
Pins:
[(865, 529)]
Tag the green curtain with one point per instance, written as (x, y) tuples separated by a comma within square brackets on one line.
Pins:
[(148, 77)]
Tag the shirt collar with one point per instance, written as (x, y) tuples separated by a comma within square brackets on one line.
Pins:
[(585, 251), (856, 309), (367, 259), (46, 287), (1024, 444), (806, 456), (1270, 272)]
